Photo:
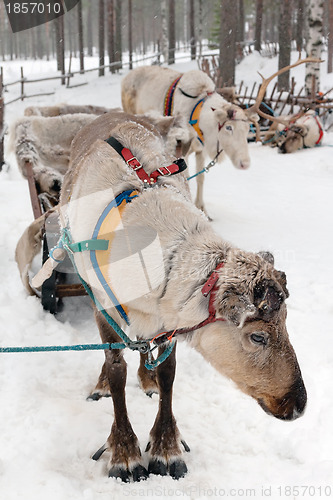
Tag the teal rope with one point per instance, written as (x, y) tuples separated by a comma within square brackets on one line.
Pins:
[(133, 345), (49, 348), (198, 173)]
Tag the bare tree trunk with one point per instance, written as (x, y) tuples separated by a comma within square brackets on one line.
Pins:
[(89, 30), (257, 36), (284, 42), (301, 4), (200, 16), (314, 46), (227, 42), (101, 37), (2, 123), (130, 38), (192, 31), (118, 32), (80, 30), (330, 37), (60, 42), (172, 32), (185, 22), (164, 38), (240, 21), (111, 41)]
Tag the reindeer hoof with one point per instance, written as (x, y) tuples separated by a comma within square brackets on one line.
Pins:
[(139, 473), (150, 393), (96, 396), (178, 469), (186, 446), (119, 472), (157, 467), (96, 456)]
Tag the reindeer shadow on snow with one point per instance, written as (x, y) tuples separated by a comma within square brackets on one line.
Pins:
[(226, 303)]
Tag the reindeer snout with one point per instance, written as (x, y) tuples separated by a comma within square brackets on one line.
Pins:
[(282, 148), (290, 406), (244, 164), (300, 399)]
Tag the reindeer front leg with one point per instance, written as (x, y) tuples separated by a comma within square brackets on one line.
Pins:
[(125, 458), (147, 378), (165, 443), (199, 165)]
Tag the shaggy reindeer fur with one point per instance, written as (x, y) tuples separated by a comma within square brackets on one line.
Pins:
[(46, 142), (304, 132), (171, 129), (251, 345), (224, 126), (64, 109)]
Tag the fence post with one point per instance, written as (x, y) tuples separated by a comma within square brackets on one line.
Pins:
[(2, 124), (22, 84)]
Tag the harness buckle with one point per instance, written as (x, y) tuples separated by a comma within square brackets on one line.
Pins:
[(134, 167), (162, 173)]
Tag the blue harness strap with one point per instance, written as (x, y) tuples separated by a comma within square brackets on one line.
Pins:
[(93, 245)]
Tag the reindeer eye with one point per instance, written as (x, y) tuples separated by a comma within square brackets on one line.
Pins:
[(258, 339), (228, 127)]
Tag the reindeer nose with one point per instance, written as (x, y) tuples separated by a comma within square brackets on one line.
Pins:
[(243, 165), (282, 148), (300, 399)]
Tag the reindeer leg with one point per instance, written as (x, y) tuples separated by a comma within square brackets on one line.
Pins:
[(165, 442), (200, 165), (147, 378), (126, 457), (102, 388)]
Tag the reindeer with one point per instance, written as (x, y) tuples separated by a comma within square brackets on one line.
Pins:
[(45, 143), (217, 127), (289, 133), (189, 284)]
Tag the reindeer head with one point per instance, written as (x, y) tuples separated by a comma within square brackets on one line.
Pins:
[(252, 346), (293, 139), (225, 127)]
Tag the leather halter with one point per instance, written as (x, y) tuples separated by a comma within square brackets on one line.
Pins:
[(209, 288), (149, 179)]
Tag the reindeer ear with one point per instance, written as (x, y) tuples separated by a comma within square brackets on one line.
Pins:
[(282, 280), (268, 256), (251, 115), (235, 307), (267, 297), (231, 113)]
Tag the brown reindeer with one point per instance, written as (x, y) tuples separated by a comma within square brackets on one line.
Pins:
[(289, 133), (184, 280)]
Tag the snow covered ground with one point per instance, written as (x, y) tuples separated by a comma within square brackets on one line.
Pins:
[(48, 431)]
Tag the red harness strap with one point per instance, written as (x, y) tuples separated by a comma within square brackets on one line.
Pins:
[(321, 132), (176, 167), (209, 288)]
